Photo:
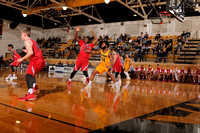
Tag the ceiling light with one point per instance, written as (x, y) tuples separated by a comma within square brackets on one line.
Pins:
[(17, 122), (90, 20), (135, 15), (24, 14), (107, 1), (64, 7)]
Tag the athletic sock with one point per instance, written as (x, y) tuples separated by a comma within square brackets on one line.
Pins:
[(14, 75), (10, 75), (70, 80), (30, 91), (90, 82)]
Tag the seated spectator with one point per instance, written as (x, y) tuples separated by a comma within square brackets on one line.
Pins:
[(178, 48), (170, 40), (169, 48), (141, 55), (60, 63), (141, 36), (136, 55), (72, 64), (166, 42), (106, 37), (183, 34), (156, 48), (120, 38), (161, 40), (66, 64), (164, 54), (188, 34), (161, 46), (179, 39), (157, 36), (146, 35), (159, 56), (90, 65)]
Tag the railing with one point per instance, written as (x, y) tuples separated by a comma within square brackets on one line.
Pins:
[(195, 34)]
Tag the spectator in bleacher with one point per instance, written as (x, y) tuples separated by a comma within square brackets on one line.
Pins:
[(184, 39), (141, 36), (124, 37), (128, 37), (141, 55), (166, 42), (183, 34), (161, 40), (164, 54), (179, 39), (72, 64), (170, 40), (157, 36), (120, 38), (178, 48), (159, 56), (169, 48), (106, 37), (188, 34), (136, 54), (90, 65), (60, 63), (146, 35), (72, 54), (161, 46), (156, 48), (66, 64)]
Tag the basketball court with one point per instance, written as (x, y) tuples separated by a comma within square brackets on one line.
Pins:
[(139, 106)]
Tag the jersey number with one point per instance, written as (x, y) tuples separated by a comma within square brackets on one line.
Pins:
[(103, 59)]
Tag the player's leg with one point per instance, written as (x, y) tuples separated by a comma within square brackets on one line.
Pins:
[(76, 68), (84, 68), (33, 68), (126, 73), (30, 80), (10, 73), (94, 72)]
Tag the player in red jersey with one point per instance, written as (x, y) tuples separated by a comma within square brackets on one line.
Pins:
[(181, 74), (84, 54), (157, 72), (175, 74), (168, 73), (149, 73), (141, 72), (136, 70), (189, 73), (162, 73), (14, 56), (196, 76), (36, 64), (117, 67)]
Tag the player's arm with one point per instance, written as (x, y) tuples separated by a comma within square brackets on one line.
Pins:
[(111, 59), (76, 34), (95, 37), (114, 58), (96, 52), (11, 56), (131, 62), (28, 45)]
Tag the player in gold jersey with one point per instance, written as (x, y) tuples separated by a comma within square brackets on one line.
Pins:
[(127, 66), (106, 64)]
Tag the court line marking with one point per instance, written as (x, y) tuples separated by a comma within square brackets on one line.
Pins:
[(46, 117), (149, 115)]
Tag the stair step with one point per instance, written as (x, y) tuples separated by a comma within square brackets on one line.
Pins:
[(186, 58)]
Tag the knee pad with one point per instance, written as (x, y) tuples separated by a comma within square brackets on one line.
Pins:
[(12, 68)]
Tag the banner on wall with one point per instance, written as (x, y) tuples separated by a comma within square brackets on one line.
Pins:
[(1, 28)]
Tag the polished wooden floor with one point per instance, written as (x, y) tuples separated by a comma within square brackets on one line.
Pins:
[(61, 109)]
